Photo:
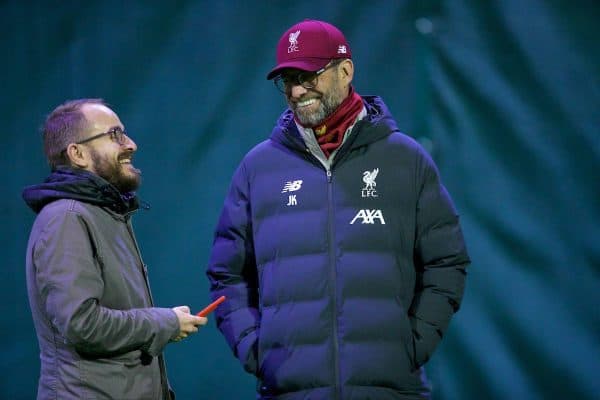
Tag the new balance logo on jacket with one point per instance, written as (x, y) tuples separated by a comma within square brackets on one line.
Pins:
[(292, 186)]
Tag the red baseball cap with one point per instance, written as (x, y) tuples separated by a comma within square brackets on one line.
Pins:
[(310, 45)]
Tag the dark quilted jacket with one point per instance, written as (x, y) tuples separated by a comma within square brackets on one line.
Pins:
[(340, 283)]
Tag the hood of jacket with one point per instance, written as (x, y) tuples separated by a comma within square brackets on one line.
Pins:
[(378, 116), (81, 185)]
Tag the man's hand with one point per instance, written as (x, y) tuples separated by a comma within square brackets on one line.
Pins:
[(188, 323)]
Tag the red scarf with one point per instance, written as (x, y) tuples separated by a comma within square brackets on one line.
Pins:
[(330, 133)]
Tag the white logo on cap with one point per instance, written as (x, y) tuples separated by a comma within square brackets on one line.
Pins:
[(293, 38), (342, 49)]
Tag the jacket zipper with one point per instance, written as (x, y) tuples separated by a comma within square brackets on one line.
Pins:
[(161, 362), (332, 264), (143, 266)]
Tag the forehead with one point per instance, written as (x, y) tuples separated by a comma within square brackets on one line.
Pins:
[(100, 116)]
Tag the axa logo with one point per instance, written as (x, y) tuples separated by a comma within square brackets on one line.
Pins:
[(370, 184), (293, 38), (368, 217)]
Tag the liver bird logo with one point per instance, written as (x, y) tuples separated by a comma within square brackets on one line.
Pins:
[(293, 38), (369, 179)]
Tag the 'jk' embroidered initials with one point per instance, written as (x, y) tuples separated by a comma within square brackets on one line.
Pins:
[(292, 200)]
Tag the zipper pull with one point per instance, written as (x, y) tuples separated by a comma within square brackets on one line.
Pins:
[(329, 176)]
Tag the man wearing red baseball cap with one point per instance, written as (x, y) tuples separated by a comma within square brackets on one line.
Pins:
[(338, 247)]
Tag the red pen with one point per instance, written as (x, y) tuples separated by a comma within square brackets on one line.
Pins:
[(211, 307)]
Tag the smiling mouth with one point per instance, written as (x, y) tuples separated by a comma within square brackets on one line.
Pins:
[(126, 158), (306, 103), (131, 168)]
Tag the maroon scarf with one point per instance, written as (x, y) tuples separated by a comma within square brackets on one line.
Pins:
[(330, 133)]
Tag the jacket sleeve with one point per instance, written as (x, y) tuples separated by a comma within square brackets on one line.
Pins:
[(70, 285), (441, 259), (232, 273)]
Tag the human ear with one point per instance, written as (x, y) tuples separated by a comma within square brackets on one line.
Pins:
[(78, 155), (347, 70)]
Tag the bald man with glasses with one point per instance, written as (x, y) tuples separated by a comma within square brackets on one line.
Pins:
[(99, 333)]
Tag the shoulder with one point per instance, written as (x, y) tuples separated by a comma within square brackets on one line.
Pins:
[(260, 150), (402, 140), (406, 145), (60, 220), (67, 212), (66, 206), (266, 152)]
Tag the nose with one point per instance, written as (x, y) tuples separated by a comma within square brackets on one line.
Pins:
[(297, 91), (129, 144)]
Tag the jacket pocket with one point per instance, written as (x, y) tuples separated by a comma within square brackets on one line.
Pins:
[(406, 334), (116, 377)]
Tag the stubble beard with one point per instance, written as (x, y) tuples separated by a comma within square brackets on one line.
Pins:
[(114, 172), (328, 103)]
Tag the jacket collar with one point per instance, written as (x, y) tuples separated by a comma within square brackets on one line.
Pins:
[(81, 185), (378, 118)]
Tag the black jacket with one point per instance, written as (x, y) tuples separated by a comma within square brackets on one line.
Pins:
[(342, 282)]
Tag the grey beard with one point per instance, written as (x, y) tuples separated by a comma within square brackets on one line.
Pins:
[(328, 104), (313, 119)]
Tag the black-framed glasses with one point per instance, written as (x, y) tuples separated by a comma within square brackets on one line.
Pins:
[(117, 135), (306, 79)]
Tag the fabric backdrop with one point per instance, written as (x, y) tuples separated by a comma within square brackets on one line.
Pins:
[(504, 94)]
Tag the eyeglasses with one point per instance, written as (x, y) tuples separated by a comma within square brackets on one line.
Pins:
[(306, 79), (117, 135)]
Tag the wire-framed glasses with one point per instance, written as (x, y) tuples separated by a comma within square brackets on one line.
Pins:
[(117, 135), (306, 79)]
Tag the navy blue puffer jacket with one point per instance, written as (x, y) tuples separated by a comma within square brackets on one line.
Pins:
[(340, 283)]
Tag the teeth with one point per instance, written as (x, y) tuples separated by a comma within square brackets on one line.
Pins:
[(125, 161), (305, 102)]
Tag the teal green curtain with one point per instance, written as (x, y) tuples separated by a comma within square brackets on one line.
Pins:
[(505, 95)]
